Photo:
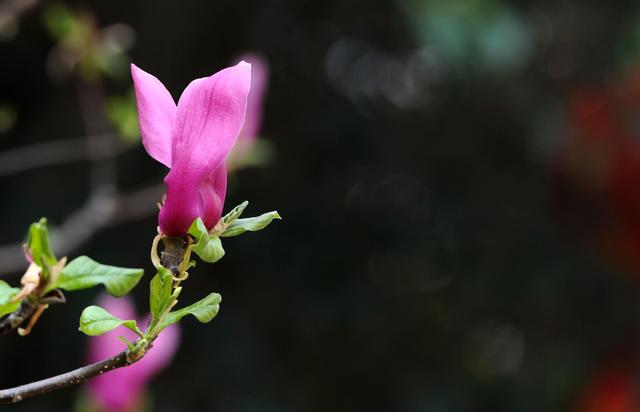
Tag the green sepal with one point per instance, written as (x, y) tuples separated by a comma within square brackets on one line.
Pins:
[(83, 272), (204, 310), (207, 247), (251, 224), (235, 213), (6, 294), (95, 321)]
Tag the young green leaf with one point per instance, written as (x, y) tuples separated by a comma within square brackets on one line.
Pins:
[(251, 224), (6, 294), (83, 273), (38, 244), (160, 291), (235, 213), (209, 248), (126, 341), (204, 310), (95, 321)]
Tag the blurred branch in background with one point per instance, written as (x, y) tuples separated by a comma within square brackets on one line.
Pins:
[(102, 164), (10, 11), (101, 210), (53, 153), (105, 206)]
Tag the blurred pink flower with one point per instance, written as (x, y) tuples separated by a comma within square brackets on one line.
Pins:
[(122, 389), (259, 85), (253, 120), (193, 139)]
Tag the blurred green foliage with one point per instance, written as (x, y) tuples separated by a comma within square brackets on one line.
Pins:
[(122, 112)]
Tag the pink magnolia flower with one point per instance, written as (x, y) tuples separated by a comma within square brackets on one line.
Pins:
[(122, 389), (193, 139)]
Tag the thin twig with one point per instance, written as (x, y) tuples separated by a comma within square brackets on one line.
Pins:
[(42, 387), (30, 310), (16, 318), (174, 251)]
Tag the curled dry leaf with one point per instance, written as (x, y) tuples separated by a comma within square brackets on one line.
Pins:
[(30, 281)]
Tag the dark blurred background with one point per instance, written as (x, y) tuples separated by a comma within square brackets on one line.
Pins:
[(459, 182)]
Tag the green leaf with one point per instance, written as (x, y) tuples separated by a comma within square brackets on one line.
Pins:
[(95, 321), (39, 245), (83, 273), (129, 344), (160, 291), (204, 310), (209, 248), (251, 224), (6, 294)]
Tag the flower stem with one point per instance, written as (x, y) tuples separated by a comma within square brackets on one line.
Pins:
[(173, 253), (16, 318), (174, 257)]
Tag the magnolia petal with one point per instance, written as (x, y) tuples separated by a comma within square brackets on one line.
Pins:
[(182, 203), (156, 114), (187, 199), (210, 115), (212, 194)]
